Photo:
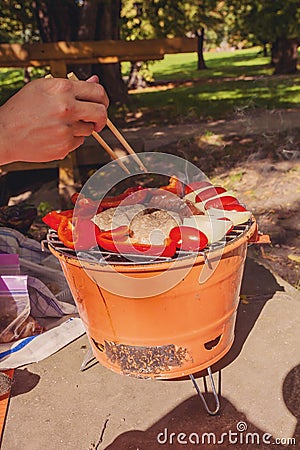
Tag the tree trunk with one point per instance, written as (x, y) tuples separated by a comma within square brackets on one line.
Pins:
[(265, 49), (98, 20), (86, 32), (284, 56), (56, 20), (200, 42), (108, 28), (135, 79)]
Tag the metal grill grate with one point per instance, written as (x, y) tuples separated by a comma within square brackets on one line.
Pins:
[(106, 257)]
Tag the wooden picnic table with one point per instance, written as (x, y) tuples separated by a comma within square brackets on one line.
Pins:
[(57, 55)]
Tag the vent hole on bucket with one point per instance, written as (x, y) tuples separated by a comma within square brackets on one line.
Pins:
[(212, 344), (98, 346)]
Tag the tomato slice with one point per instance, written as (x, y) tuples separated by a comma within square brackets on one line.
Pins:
[(234, 207), (208, 193), (188, 238), (220, 202), (196, 185)]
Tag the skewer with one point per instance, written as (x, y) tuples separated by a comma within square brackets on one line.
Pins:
[(117, 134)]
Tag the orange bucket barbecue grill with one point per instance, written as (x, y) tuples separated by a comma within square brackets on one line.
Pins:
[(176, 332)]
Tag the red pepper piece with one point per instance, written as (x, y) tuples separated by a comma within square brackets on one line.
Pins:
[(67, 213), (175, 186), (111, 202), (65, 232), (120, 233), (167, 249), (133, 189), (86, 206), (74, 197), (84, 234), (128, 247), (53, 218), (131, 196)]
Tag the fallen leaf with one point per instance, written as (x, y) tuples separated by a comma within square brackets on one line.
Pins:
[(295, 258), (244, 299)]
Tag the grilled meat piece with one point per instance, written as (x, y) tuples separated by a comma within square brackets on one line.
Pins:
[(116, 217), (170, 202), (152, 226), (148, 225)]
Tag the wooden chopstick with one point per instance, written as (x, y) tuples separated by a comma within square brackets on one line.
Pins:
[(128, 147), (109, 150), (117, 134)]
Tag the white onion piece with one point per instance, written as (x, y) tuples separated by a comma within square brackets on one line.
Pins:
[(201, 205), (236, 217), (213, 228)]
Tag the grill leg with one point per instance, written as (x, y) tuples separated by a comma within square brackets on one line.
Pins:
[(217, 408), (89, 357)]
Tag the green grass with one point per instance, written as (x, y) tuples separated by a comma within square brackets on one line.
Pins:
[(234, 82), (11, 80), (219, 64)]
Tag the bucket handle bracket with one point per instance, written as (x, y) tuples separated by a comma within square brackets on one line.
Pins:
[(217, 408)]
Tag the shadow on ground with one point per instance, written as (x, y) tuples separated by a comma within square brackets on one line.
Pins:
[(23, 381), (188, 426)]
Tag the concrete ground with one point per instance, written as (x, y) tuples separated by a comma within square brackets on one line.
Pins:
[(55, 406)]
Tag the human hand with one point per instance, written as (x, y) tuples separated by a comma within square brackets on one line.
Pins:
[(48, 118)]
